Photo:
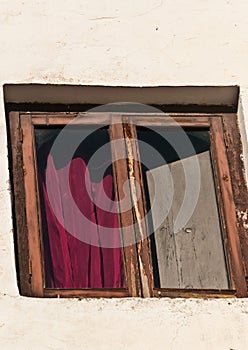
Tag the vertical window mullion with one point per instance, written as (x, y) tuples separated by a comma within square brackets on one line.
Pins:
[(119, 157), (139, 208)]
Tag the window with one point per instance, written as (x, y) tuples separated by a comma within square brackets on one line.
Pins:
[(115, 205)]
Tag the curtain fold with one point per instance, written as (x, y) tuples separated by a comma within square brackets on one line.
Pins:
[(70, 262)]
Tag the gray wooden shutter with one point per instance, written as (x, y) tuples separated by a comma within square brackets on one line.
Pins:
[(194, 256)]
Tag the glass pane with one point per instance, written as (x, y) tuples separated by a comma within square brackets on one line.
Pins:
[(191, 255), (81, 242)]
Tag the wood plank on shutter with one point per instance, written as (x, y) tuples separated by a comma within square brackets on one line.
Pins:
[(193, 257)]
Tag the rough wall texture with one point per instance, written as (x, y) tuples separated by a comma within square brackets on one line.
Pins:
[(143, 42), (123, 324)]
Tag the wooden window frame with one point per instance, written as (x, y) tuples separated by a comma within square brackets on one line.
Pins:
[(231, 193)]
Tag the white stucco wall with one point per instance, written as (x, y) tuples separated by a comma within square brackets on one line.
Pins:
[(131, 43)]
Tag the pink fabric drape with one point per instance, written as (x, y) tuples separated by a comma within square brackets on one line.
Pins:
[(69, 261)]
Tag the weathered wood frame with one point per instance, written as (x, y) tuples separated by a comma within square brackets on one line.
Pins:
[(228, 170)]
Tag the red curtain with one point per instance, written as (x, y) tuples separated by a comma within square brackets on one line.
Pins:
[(70, 262)]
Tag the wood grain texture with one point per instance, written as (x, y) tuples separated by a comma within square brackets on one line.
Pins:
[(240, 193), (194, 293), (19, 205), (75, 119), (125, 216), (32, 205), (227, 207), (139, 209), (192, 258), (86, 293), (192, 122)]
